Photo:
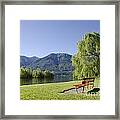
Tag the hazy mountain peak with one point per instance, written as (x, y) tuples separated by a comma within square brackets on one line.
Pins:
[(56, 62)]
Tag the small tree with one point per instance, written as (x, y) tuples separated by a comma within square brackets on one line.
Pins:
[(22, 72), (48, 74), (37, 73), (40, 74)]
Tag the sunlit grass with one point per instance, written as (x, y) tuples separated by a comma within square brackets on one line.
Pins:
[(51, 91)]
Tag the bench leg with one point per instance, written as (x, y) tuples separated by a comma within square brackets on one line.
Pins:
[(76, 90), (83, 90)]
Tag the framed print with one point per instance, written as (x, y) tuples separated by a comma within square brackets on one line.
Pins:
[(60, 59)]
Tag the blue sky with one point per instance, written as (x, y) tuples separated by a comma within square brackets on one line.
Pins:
[(42, 37)]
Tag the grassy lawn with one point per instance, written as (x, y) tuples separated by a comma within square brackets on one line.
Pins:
[(51, 91)]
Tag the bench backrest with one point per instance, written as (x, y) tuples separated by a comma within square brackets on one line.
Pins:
[(88, 81)]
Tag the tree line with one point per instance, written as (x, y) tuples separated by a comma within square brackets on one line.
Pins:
[(35, 73), (86, 61)]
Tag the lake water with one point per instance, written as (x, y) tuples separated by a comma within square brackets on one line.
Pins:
[(57, 78)]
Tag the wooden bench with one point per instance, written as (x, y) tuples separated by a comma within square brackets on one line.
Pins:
[(85, 82)]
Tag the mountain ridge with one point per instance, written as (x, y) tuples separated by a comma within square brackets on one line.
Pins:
[(55, 62)]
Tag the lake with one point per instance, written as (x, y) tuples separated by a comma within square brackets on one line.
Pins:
[(57, 78)]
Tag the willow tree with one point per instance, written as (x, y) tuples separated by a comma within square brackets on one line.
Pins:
[(86, 61)]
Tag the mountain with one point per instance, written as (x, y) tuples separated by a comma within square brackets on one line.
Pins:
[(58, 63), (26, 61)]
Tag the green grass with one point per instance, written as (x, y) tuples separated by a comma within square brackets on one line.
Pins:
[(51, 91)]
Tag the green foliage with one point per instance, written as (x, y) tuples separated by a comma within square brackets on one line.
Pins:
[(25, 72), (37, 73), (48, 74), (86, 61)]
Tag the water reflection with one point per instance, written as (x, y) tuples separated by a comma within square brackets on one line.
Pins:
[(57, 78)]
